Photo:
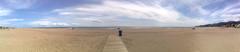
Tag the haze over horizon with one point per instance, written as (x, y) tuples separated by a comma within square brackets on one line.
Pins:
[(162, 13)]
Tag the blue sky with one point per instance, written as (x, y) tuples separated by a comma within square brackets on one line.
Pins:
[(162, 13)]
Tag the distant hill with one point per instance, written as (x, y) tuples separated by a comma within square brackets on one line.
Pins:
[(235, 24)]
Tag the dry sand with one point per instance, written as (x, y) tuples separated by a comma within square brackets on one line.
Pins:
[(53, 40), (182, 40), (135, 39)]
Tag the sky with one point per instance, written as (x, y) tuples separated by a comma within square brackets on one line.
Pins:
[(100, 13)]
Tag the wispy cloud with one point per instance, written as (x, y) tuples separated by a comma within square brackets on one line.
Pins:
[(4, 12), (8, 22), (120, 12), (49, 24), (114, 11), (229, 13)]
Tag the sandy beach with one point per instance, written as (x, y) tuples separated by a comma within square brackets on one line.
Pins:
[(52, 40), (183, 40), (134, 39)]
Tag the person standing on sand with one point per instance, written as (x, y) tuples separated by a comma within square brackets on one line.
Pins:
[(119, 32), (193, 28), (72, 28)]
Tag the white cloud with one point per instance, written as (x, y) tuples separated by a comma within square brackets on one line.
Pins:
[(114, 10), (49, 24), (11, 20), (197, 6), (4, 12), (6, 22), (229, 13)]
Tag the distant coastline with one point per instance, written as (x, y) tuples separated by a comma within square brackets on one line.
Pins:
[(230, 24)]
